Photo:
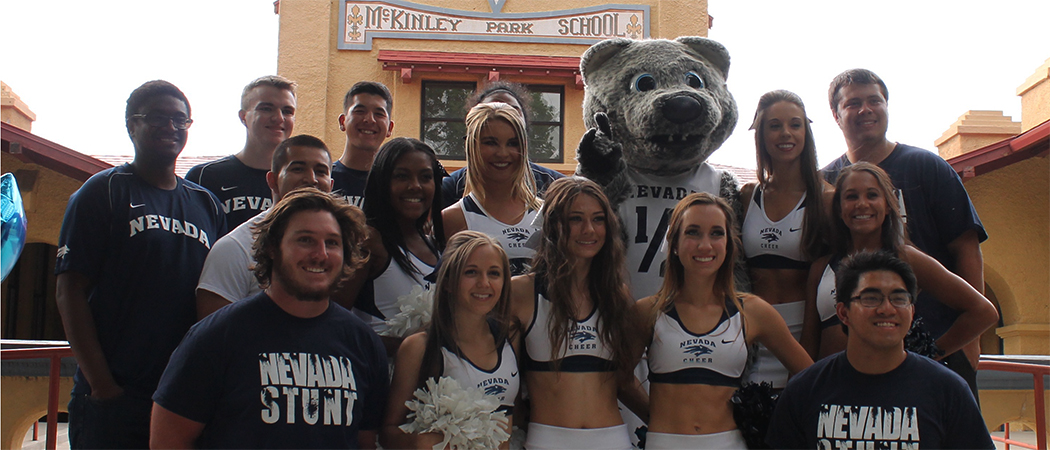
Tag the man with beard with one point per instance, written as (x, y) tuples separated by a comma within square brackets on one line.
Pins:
[(132, 245), (322, 372)]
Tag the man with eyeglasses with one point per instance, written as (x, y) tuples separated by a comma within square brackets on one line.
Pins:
[(875, 394), (239, 180), (133, 241)]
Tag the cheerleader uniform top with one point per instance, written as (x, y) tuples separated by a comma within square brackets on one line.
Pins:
[(826, 294), (378, 298), (773, 245), (679, 356), (583, 351), (501, 381), (511, 236)]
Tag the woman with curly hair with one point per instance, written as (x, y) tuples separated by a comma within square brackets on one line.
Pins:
[(574, 308), (500, 197), (470, 337), (699, 330)]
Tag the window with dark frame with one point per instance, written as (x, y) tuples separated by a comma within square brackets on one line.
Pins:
[(444, 110), (442, 117)]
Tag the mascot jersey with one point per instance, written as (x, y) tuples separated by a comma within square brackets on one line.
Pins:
[(512, 236), (646, 213), (717, 357), (501, 381)]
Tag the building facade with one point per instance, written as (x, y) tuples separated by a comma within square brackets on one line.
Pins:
[(433, 54)]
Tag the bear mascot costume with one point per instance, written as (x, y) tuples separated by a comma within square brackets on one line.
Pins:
[(655, 111)]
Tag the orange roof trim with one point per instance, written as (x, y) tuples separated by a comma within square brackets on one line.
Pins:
[(34, 149), (1031, 143)]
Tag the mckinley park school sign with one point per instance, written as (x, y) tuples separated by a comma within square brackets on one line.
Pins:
[(363, 21)]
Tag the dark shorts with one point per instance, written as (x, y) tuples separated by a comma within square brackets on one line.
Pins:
[(121, 422)]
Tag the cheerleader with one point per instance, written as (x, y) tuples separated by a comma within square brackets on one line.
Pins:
[(574, 309), (699, 331), (500, 197), (401, 200), (784, 226), (469, 339)]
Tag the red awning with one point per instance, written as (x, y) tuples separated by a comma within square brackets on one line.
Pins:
[(409, 62), (1034, 142), (31, 148)]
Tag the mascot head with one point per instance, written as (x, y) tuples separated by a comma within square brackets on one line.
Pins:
[(667, 101)]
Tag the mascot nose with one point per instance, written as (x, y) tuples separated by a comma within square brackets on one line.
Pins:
[(682, 109)]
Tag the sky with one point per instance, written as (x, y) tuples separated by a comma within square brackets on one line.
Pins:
[(75, 62)]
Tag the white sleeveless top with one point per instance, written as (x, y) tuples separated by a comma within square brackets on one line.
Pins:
[(378, 298), (717, 357), (512, 236), (502, 381), (583, 351), (826, 297), (773, 245)]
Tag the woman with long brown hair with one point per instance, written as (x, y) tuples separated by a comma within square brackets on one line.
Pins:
[(574, 308), (698, 331), (866, 216), (785, 225), (470, 337)]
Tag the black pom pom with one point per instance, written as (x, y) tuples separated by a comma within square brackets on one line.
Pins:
[(921, 342), (753, 406), (641, 432)]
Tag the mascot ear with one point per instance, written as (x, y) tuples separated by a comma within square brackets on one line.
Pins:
[(598, 54), (710, 51)]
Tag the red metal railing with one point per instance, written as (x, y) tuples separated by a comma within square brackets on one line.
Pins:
[(1038, 372), (55, 354)]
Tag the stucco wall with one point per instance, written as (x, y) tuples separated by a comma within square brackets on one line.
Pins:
[(46, 204), (25, 401), (1035, 97), (1014, 205), (309, 55)]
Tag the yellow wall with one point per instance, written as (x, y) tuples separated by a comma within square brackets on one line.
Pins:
[(308, 54), (25, 401), (999, 407), (1014, 205), (1035, 97), (46, 204)]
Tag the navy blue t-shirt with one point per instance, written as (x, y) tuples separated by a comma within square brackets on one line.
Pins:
[(349, 184), (143, 249), (454, 184), (919, 404), (258, 377), (241, 189), (937, 210)]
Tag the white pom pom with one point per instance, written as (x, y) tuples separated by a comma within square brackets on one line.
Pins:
[(467, 418), (413, 315)]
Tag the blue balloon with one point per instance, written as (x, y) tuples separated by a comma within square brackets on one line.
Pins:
[(14, 224)]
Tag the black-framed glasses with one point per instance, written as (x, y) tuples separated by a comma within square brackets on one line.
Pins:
[(160, 120), (875, 299)]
